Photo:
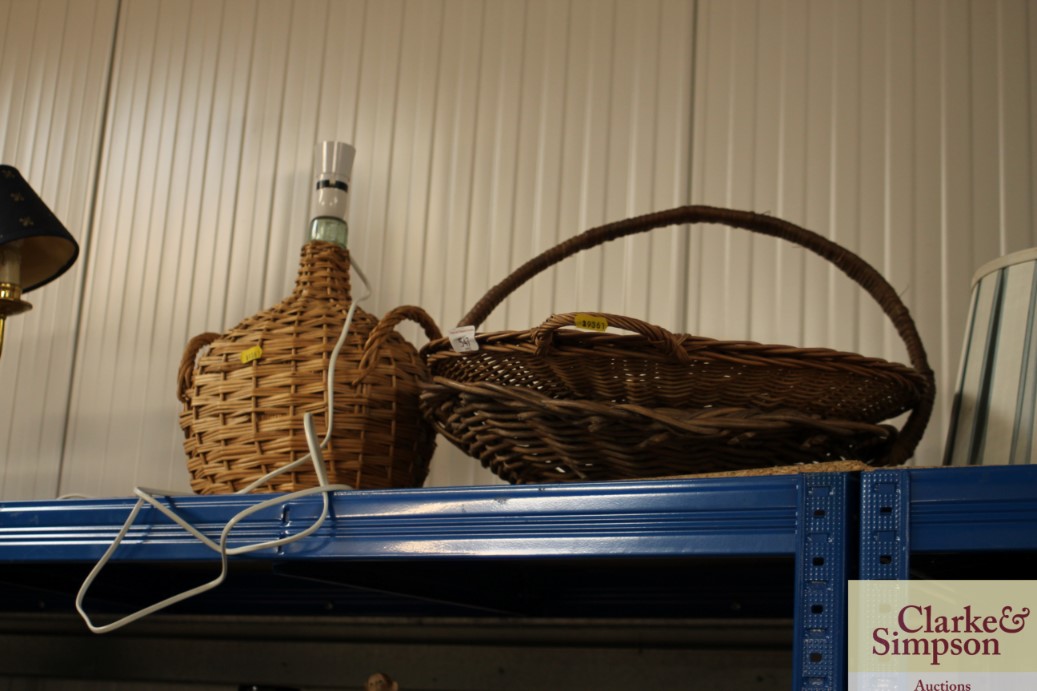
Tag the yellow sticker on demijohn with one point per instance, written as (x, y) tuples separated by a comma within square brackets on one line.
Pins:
[(253, 353)]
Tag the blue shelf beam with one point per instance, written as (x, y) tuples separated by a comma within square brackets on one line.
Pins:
[(721, 517), (621, 546), (914, 511)]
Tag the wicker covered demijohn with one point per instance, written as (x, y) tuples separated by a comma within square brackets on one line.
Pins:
[(245, 392)]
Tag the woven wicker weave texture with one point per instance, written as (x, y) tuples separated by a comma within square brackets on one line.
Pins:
[(654, 367), (554, 405), (242, 420)]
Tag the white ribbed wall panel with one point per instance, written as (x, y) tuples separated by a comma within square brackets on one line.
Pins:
[(54, 59), (904, 131), (486, 132)]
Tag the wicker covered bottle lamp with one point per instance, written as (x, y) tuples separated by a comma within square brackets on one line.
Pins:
[(35, 248), (245, 392)]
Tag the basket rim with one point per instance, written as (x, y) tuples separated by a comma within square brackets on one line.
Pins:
[(698, 348)]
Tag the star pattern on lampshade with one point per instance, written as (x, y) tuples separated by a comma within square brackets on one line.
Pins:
[(41, 248)]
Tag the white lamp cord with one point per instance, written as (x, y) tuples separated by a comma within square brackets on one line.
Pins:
[(148, 495)]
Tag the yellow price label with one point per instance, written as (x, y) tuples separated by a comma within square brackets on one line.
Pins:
[(253, 353), (590, 322)]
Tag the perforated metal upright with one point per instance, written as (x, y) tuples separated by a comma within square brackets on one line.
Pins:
[(823, 564), (884, 535)]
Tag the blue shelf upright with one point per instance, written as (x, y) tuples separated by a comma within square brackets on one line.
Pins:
[(885, 509), (823, 565)]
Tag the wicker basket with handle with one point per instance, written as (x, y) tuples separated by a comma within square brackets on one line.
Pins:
[(242, 417), (554, 404)]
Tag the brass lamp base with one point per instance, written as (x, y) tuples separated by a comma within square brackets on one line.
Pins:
[(10, 305)]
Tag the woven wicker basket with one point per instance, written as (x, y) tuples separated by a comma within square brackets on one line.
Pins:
[(552, 404), (242, 420)]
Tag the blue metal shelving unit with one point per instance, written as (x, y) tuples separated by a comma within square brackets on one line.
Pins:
[(683, 548), (803, 522)]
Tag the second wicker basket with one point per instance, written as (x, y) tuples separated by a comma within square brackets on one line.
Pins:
[(555, 404)]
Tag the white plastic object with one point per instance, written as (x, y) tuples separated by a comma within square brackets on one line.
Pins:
[(334, 173)]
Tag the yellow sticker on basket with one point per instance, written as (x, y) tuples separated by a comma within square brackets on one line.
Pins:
[(590, 322), (253, 353)]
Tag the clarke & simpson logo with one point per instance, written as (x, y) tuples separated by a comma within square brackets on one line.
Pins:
[(920, 632), (942, 635)]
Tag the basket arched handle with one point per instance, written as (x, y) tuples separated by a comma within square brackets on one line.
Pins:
[(185, 375), (385, 327), (666, 342), (849, 263)]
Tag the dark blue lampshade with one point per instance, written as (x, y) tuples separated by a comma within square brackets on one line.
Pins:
[(48, 249)]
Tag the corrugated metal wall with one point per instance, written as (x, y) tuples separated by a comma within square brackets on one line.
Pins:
[(54, 60), (487, 132), (905, 131)]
